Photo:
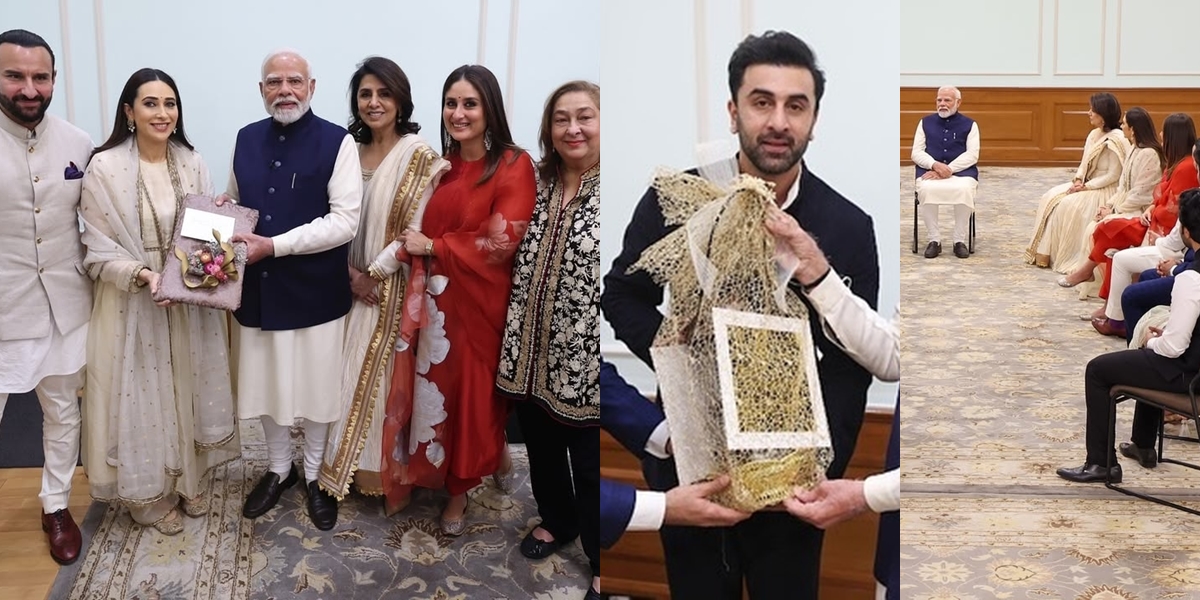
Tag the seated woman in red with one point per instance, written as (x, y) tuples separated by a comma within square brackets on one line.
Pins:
[(1179, 135)]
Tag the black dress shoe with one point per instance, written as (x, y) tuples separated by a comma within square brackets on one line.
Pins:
[(1090, 473), (960, 250), (933, 249), (592, 594), (1146, 457), (531, 547), (266, 494), (322, 507)]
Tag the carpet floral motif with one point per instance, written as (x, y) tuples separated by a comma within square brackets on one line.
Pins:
[(992, 404)]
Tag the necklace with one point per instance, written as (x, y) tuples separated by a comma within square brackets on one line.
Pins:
[(144, 200)]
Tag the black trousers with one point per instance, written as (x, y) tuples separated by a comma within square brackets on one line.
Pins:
[(564, 472), (1126, 367), (777, 555)]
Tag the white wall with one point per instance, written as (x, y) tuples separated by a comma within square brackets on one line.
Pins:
[(214, 50), (666, 88), (1102, 44)]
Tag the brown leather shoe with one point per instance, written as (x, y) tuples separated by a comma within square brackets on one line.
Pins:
[(1107, 326), (65, 539)]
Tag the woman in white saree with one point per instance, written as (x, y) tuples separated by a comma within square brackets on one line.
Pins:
[(400, 172), (1066, 210), (159, 411)]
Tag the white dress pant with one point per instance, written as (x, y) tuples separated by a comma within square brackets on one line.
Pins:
[(1126, 264), (279, 447), (60, 436), (962, 222)]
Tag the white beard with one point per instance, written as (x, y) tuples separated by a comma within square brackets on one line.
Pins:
[(287, 116), (946, 113)]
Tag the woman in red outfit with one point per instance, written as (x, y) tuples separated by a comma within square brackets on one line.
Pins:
[(1179, 135), (445, 423), (1119, 220)]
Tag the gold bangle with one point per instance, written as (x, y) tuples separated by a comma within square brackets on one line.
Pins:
[(429, 248), (375, 273)]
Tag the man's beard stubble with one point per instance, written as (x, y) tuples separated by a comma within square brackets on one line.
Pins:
[(770, 165), (17, 113)]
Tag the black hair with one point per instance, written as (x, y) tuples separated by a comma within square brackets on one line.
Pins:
[(120, 130), (778, 48), (395, 81), (26, 39)]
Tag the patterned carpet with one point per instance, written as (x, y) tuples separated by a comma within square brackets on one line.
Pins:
[(282, 555), (992, 403)]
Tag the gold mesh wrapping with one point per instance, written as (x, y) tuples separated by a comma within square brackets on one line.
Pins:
[(734, 354)]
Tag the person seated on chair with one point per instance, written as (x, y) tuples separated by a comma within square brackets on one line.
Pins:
[(945, 149), (1167, 363), (1110, 319), (1122, 221), (1153, 288)]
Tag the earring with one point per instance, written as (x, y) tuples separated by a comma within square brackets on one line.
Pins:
[(131, 126), (446, 139), (487, 140), (175, 131)]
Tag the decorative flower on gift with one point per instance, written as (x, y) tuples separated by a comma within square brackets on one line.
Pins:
[(210, 265)]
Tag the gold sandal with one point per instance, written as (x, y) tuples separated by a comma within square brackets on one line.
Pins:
[(195, 507), (170, 524)]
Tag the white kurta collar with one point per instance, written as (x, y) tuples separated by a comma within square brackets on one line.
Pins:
[(21, 132)]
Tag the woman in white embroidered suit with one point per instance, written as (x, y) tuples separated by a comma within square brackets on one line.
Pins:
[(400, 171), (1066, 210), (159, 411)]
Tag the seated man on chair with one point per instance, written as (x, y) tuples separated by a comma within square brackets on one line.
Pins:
[(945, 149), (1167, 363)]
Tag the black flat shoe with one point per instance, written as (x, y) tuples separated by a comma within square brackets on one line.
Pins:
[(1146, 457), (1090, 473), (531, 547), (322, 507), (266, 494)]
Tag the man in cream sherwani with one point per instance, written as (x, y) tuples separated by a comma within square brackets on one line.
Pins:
[(301, 173), (945, 149), (45, 295)]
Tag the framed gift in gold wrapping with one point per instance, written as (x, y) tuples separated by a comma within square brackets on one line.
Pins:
[(768, 429)]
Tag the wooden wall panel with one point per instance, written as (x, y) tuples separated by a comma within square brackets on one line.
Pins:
[(635, 565), (1028, 127)]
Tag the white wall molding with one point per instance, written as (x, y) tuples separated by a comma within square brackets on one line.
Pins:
[(101, 68), (1057, 29)]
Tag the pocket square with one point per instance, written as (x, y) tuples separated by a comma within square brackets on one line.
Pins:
[(72, 172)]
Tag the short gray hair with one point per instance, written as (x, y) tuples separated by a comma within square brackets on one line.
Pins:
[(957, 94)]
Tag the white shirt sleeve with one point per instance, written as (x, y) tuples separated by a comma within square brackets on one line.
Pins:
[(1185, 309), (919, 155), (883, 491), (971, 156), (656, 444), (345, 200), (649, 510), (849, 322), (1170, 245)]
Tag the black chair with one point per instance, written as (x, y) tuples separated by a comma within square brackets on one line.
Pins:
[(917, 216), (1184, 404)]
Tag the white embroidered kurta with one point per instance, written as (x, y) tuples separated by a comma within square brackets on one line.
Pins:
[(45, 294), (296, 374)]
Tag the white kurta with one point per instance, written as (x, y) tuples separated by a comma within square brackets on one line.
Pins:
[(290, 375), (956, 189)]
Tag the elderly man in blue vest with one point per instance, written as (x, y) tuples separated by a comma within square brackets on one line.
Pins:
[(302, 174), (945, 149)]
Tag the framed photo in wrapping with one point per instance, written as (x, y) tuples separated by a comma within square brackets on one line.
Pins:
[(202, 266), (762, 360)]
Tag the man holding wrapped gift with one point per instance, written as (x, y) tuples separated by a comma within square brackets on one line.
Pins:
[(44, 290), (301, 173), (776, 89)]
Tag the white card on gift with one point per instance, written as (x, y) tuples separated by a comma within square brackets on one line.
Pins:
[(199, 225)]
